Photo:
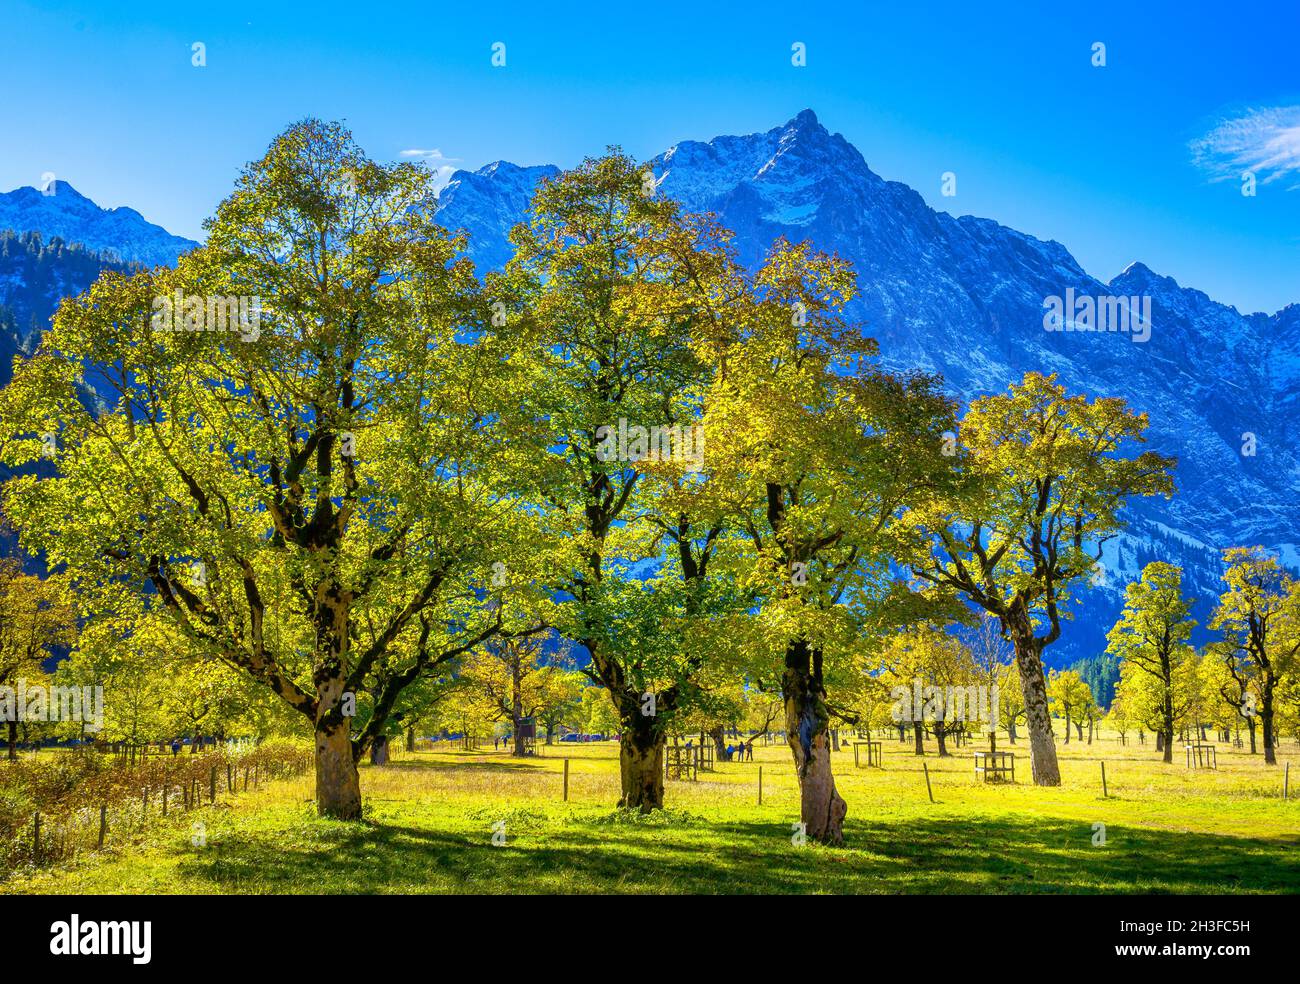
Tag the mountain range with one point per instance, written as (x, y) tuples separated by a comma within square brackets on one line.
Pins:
[(964, 297), (961, 296), (120, 234)]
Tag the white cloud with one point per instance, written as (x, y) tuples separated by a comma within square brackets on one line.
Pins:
[(1265, 142), (442, 165)]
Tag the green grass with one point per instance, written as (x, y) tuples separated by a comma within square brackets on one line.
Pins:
[(430, 818)]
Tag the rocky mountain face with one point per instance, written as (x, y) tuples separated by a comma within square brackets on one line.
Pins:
[(486, 203), (965, 297)]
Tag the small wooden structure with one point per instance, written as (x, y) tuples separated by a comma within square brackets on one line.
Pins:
[(528, 733), (1201, 755), (681, 762), (873, 753), (996, 766), (704, 756)]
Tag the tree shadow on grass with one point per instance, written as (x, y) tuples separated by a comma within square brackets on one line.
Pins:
[(944, 855), (1052, 855)]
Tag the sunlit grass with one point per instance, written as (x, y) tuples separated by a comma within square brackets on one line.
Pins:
[(430, 819)]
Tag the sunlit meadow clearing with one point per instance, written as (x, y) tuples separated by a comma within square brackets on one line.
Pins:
[(431, 817)]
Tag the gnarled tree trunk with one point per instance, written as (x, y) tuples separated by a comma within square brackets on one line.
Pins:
[(640, 760), (719, 742), (1266, 719), (1038, 719), (338, 787), (379, 750), (941, 737), (821, 808)]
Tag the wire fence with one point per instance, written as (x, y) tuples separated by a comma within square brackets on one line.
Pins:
[(55, 808)]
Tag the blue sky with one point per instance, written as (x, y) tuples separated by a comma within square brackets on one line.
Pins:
[(1118, 163)]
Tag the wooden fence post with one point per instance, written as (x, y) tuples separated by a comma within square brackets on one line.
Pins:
[(566, 780), (1286, 782), (928, 790), (103, 825), (36, 850), (760, 785), (212, 785), (1104, 793)]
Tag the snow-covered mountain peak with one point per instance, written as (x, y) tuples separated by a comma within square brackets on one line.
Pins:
[(60, 210)]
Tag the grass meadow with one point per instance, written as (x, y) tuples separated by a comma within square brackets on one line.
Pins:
[(431, 818)]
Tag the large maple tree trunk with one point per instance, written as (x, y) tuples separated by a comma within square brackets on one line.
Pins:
[(338, 786), (517, 707), (941, 738), (719, 743), (821, 808), (1167, 719), (379, 750), (1267, 717), (640, 760), (13, 741), (1038, 719)]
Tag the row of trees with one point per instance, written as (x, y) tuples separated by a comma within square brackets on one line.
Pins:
[(1250, 673), (404, 471), (1247, 676)]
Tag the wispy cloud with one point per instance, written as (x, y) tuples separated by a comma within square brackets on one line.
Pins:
[(1265, 142), (441, 164)]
